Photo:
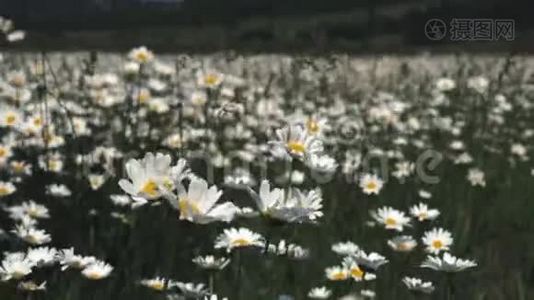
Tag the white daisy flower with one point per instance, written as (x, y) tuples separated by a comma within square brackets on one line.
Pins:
[(238, 238), (418, 285), (198, 203), (345, 248), (157, 284), (422, 213), (97, 270), (403, 243), (371, 184), (141, 55), (447, 263), (437, 240), (319, 293), (391, 218)]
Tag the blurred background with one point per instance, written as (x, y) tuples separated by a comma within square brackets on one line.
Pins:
[(252, 25)]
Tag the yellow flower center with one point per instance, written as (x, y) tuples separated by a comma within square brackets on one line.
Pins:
[(356, 272), (339, 276), (10, 119), (93, 275), (150, 188), (240, 242), (142, 56), (391, 222), (144, 96), (211, 79), (4, 191), (312, 126), (296, 147), (2, 152), (371, 185), (188, 208), (437, 244), (423, 216), (157, 285)]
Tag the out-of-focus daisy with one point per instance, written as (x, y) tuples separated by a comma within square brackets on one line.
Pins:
[(141, 55), (209, 79), (97, 270), (15, 266), (290, 250), (437, 240), (403, 243), (418, 285), (58, 190), (68, 259), (238, 238), (31, 286), (211, 262), (191, 290), (96, 181), (157, 284), (476, 177), (447, 263), (371, 184), (445, 84), (422, 213), (391, 218), (319, 293), (6, 188), (345, 248), (32, 235), (42, 256)]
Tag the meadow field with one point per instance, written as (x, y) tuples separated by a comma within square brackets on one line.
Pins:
[(225, 176)]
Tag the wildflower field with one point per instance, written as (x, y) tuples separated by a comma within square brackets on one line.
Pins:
[(226, 176)]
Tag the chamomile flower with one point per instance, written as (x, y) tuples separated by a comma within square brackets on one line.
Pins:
[(97, 270), (6, 188), (209, 79), (150, 177), (238, 238), (403, 243), (294, 142), (437, 240), (15, 267), (319, 293), (158, 284), (345, 248), (31, 286), (68, 259), (422, 213), (32, 236), (391, 218), (141, 55), (372, 260), (211, 262), (447, 263), (191, 290), (197, 204), (42, 256), (418, 285), (476, 177), (371, 184)]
